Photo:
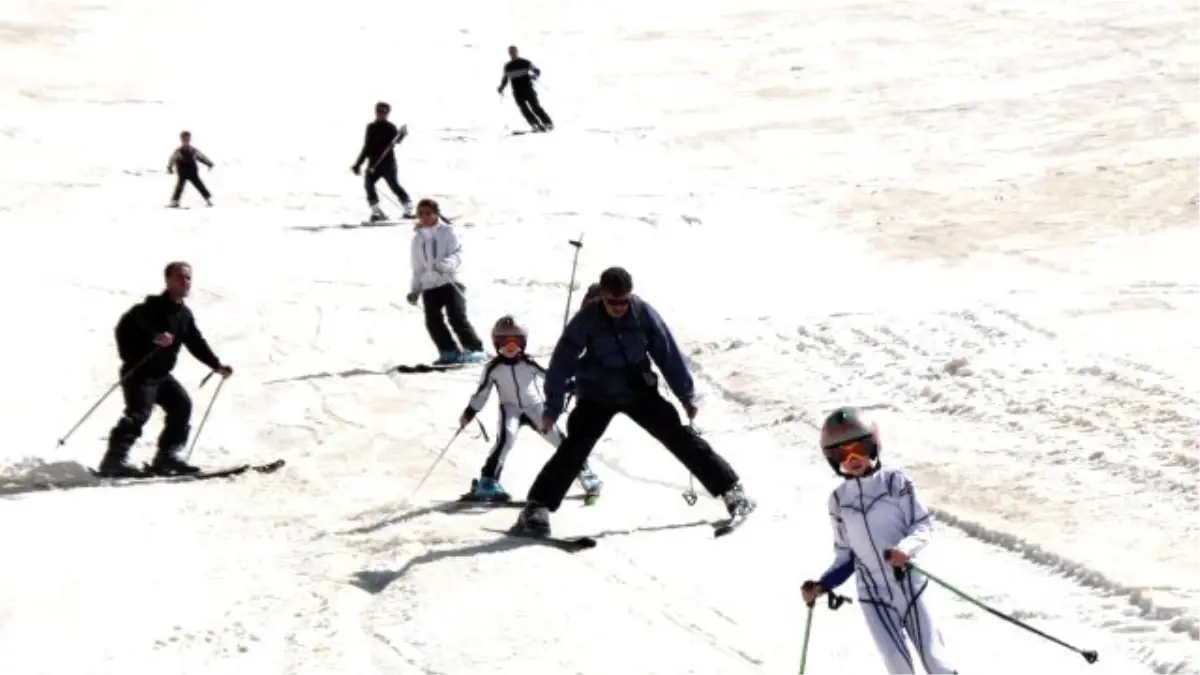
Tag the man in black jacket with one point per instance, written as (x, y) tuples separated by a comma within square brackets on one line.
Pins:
[(378, 151), (521, 73), (149, 336)]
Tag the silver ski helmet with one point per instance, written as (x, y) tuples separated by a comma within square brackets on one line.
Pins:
[(505, 330), (845, 432)]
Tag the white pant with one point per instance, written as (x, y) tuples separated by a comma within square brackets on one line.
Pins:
[(511, 419), (889, 622)]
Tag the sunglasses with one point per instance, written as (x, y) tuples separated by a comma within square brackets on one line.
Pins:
[(616, 302)]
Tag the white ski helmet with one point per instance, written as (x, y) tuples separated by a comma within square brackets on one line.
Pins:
[(505, 328)]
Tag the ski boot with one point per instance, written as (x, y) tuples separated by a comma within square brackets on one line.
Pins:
[(168, 463), (737, 503), (377, 215), (592, 485), (473, 357), (116, 464), (174, 204), (409, 211), (449, 358), (534, 521), (486, 490)]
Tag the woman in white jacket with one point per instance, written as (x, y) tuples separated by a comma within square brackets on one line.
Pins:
[(879, 524), (436, 259)]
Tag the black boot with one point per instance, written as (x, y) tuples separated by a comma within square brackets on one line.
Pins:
[(534, 521), (168, 463), (116, 464)]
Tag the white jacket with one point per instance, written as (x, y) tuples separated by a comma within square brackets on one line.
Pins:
[(436, 256), (870, 515), (515, 382)]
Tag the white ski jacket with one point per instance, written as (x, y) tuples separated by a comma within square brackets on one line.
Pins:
[(436, 256), (515, 381), (870, 515)]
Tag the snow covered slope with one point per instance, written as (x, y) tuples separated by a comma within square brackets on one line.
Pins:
[(979, 219)]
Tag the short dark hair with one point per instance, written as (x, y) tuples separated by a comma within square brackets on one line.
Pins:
[(430, 204), (173, 267), (616, 281)]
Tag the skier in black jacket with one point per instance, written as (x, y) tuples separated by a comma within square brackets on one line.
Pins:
[(521, 73), (184, 163), (149, 336), (378, 151)]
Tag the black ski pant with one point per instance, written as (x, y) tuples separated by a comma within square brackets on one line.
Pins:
[(531, 109), (449, 298), (141, 395), (650, 411), (386, 171), (182, 179)]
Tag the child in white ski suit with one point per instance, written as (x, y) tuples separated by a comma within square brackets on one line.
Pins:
[(879, 524), (513, 374)]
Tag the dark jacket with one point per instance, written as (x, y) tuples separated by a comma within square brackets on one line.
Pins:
[(184, 161), (521, 74), (159, 314), (377, 142), (619, 354)]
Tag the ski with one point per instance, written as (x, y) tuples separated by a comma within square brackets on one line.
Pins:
[(208, 474), (567, 544), (429, 367), (472, 500), (728, 525)]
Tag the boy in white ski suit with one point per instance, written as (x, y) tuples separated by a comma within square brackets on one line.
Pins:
[(514, 376), (879, 524)]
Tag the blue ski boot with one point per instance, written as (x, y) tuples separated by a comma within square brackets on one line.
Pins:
[(592, 485), (473, 357), (449, 358), (486, 490)]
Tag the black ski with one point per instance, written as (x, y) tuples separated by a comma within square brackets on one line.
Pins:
[(429, 367), (569, 545), (208, 474), (729, 525), (472, 500)]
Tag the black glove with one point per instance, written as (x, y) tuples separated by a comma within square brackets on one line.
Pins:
[(412, 298), (355, 170), (468, 414)]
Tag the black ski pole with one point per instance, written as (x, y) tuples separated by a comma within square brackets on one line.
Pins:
[(578, 244), (207, 410), (1088, 655), (63, 441)]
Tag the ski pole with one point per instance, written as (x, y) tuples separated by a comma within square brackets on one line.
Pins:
[(401, 134), (436, 462), (207, 410), (578, 244), (689, 495), (63, 441), (807, 633), (1088, 655)]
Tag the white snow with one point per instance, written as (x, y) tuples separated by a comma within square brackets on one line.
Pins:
[(977, 218)]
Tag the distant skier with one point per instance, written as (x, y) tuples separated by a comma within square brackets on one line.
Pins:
[(521, 74), (378, 151), (436, 257), (622, 334), (879, 525), (514, 374), (149, 336), (184, 163)]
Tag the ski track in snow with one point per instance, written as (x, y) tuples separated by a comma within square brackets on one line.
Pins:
[(976, 220)]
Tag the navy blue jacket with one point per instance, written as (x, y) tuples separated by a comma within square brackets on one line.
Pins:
[(603, 373)]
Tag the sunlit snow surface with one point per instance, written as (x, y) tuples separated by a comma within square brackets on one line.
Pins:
[(978, 219)]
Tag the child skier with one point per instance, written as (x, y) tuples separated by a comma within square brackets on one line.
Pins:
[(514, 375), (184, 163), (879, 524)]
